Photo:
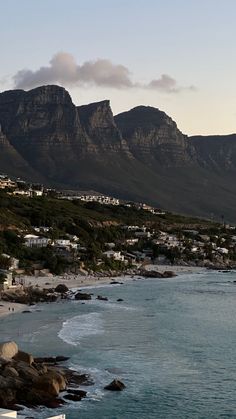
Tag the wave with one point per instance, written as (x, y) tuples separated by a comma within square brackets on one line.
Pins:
[(78, 327)]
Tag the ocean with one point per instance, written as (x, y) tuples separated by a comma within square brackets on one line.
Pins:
[(171, 341)]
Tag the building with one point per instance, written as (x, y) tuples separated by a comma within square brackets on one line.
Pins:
[(6, 182), (32, 240), (115, 255)]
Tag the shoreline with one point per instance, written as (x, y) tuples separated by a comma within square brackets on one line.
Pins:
[(82, 282), (7, 308)]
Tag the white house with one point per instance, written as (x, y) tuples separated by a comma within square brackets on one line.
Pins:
[(112, 254), (31, 240)]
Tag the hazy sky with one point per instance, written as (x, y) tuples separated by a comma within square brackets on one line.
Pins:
[(177, 55)]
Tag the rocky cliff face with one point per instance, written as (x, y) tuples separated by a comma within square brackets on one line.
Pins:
[(153, 137), (217, 152), (139, 155), (99, 124), (43, 126)]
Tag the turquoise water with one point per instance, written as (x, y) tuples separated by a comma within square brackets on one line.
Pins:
[(172, 342)]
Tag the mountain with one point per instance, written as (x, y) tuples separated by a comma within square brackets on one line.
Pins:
[(139, 155)]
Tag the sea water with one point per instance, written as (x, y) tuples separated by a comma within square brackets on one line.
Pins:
[(171, 341)]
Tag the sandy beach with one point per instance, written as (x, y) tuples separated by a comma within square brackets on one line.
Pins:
[(82, 281), (7, 308)]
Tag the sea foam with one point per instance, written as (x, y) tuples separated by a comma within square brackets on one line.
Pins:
[(78, 327)]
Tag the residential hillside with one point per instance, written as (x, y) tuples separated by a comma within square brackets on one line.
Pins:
[(44, 235), (138, 155)]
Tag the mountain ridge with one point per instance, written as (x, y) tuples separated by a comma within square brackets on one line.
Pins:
[(138, 154)]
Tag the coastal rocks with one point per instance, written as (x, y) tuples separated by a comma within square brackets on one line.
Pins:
[(25, 357), (82, 296), (61, 288), (8, 349), (33, 382), (155, 274), (101, 298), (115, 385)]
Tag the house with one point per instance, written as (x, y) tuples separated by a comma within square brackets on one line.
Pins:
[(31, 240), (6, 182), (116, 255)]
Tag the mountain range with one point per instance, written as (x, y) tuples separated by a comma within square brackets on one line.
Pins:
[(138, 155)]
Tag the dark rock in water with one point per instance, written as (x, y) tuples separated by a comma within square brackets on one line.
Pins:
[(82, 296), (80, 393), (115, 385), (168, 274), (115, 283), (99, 297), (72, 397), (26, 311), (119, 299), (61, 358), (61, 288)]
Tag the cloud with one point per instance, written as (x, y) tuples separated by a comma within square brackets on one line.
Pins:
[(64, 70)]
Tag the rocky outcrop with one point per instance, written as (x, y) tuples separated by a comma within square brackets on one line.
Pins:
[(36, 383), (115, 385)]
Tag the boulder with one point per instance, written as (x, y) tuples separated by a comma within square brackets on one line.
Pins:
[(115, 385), (72, 397), (47, 383), (10, 372), (80, 393), (26, 372), (61, 288), (25, 357), (58, 377), (82, 296), (119, 299), (8, 349), (99, 297)]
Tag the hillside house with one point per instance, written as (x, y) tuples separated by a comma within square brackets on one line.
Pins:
[(115, 255), (32, 240)]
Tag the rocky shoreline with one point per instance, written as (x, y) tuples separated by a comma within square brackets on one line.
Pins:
[(30, 382)]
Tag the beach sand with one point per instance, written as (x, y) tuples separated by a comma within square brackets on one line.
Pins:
[(80, 281), (7, 308)]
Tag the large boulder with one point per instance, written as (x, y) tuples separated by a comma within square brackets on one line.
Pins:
[(58, 377), (25, 357), (61, 288), (27, 372), (115, 385), (82, 296), (8, 349), (48, 383)]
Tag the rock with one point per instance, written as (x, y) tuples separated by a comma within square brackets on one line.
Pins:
[(72, 397), (10, 372), (48, 383), (26, 311), (119, 299), (61, 358), (25, 357), (115, 385), (82, 296), (8, 349), (169, 274), (58, 377), (26, 372), (99, 297), (80, 393), (61, 288)]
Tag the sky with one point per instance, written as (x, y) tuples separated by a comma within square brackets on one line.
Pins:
[(176, 55)]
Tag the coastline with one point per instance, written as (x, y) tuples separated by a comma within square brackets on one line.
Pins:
[(14, 308), (82, 281)]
